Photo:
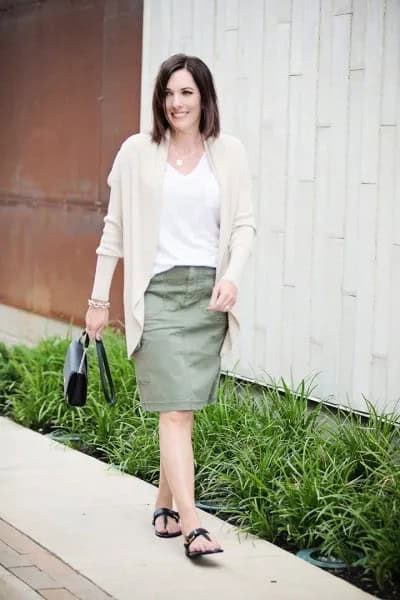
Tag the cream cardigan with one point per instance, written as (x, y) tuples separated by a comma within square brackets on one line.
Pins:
[(131, 225)]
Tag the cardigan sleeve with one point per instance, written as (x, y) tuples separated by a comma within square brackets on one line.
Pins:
[(111, 239), (105, 268), (110, 248), (244, 227)]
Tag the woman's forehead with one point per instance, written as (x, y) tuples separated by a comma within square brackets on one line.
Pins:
[(181, 79)]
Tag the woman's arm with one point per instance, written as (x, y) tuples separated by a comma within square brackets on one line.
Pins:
[(243, 228), (241, 240), (108, 252), (110, 248), (105, 268)]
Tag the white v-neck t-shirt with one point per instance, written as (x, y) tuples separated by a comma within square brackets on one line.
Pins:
[(189, 219)]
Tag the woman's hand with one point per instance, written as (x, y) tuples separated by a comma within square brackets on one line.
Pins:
[(223, 296), (96, 320)]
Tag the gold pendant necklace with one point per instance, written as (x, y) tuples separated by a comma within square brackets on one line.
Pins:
[(179, 161)]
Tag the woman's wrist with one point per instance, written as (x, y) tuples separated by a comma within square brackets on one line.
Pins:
[(94, 303)]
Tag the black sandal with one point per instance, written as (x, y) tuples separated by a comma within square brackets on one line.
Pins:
[(166, 512), (190, 537)]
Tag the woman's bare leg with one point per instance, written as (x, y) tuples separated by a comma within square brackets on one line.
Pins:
[(164, 499), (176, 451)]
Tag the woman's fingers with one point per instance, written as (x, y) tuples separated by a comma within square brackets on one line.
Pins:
[(91, 332), (224, 296), (214, 297), (96, 320), (224, 302)]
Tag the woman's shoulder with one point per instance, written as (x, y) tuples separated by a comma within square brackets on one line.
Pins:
[(229, 140), (227, 144), (129, 150), (134, 142)]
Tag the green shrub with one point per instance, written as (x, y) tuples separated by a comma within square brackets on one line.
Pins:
[(9, 378)]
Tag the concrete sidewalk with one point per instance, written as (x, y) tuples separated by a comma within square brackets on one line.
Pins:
[(73, 527)]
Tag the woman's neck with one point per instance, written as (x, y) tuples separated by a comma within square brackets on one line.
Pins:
[(186, 141)]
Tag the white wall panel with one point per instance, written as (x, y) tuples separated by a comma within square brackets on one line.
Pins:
[(358, 25), (391, 64), (271, 304), (318, 266), (344, 390), (383, 224), (372, 90), (274, 125), (338, 120), (342, 7), (296, 40), (309, 89), (365, 288), (312, 87), (203, 29), (332, 309), (353, 175), (392, 373), (302, 307), (396, 192)]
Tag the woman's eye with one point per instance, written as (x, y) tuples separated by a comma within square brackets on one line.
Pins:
[(185, 93)]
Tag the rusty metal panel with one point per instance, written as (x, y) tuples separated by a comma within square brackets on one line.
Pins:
[(121, 78), (42, 269), (71, 93)]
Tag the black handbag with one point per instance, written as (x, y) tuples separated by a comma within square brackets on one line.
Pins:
[(76, 372)]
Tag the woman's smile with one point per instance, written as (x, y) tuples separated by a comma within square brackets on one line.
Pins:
[(179, 115)]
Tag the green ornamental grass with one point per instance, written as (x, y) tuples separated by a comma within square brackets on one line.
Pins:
[(274, 465)]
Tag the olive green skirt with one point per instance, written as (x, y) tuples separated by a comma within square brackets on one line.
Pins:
[(178, 361)]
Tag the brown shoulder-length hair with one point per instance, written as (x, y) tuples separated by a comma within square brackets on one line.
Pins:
[(209, 118)]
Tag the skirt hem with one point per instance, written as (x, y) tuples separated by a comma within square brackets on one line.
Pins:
[(163, 408)]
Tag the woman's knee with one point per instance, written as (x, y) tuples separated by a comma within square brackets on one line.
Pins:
[(176, 417)]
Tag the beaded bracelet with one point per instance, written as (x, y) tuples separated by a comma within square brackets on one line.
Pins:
[(98, 304)]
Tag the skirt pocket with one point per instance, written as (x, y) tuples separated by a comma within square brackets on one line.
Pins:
[(153, 302)]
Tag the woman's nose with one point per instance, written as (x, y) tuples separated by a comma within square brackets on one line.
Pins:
[(176, 100)]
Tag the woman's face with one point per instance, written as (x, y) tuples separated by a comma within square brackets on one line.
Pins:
[(183, 102)]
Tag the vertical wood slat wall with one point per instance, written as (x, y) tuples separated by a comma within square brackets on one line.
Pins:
[(312, 87)]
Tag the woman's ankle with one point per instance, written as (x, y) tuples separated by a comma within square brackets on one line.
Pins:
[(189, 521), (164, 501)]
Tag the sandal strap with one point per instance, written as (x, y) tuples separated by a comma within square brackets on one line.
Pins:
[(195, 534), (166, 512)]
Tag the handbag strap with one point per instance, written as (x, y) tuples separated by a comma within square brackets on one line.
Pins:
[(105, 373), (85, 346), (85, 335)]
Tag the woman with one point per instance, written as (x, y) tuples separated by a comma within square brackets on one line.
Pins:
[(180, 215)]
